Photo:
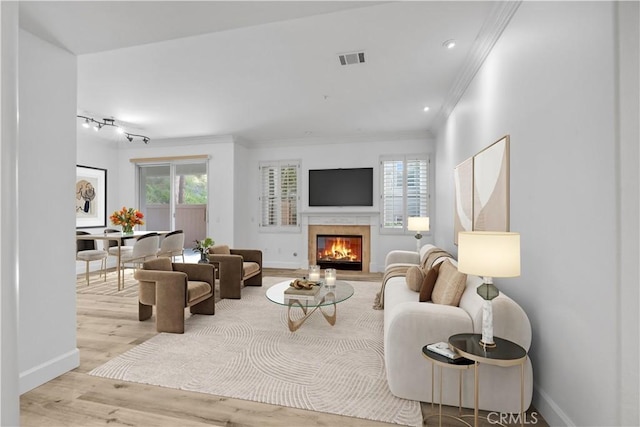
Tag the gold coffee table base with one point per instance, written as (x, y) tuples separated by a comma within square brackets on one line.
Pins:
[(327, 296), (294, 324)]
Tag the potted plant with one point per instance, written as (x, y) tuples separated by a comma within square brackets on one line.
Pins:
[(203, 246)]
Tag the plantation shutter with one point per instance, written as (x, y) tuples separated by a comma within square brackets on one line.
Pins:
[(405, 190), (392, 193), (279, 194), (289, 195), (417, 190), (269, 194)]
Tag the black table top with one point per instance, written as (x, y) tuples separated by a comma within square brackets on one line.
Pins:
[(505, 351)]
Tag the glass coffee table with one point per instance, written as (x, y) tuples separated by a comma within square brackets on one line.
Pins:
[(328, 295)]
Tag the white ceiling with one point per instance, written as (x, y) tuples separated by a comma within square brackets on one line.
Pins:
[(264, 70)]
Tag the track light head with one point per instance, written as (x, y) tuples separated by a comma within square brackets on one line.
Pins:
[(145, 140), (129, 137), (86, 124)]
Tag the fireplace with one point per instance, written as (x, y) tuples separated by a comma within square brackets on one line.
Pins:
[(342, 252)]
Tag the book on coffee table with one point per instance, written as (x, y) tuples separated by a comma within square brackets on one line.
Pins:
[(306, 294)]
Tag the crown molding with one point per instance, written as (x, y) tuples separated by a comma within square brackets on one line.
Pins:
[(340, 139), (488, 35)]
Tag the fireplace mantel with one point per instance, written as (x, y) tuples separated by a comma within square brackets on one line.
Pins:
[(340, 217)]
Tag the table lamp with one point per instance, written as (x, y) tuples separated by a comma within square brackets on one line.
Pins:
[(488, 254), (418, 224)]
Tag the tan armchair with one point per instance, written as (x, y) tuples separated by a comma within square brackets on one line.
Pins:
[(171, 287), (236, 268)]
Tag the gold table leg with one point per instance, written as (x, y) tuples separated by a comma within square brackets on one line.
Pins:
[(475, 395), (294, 325)]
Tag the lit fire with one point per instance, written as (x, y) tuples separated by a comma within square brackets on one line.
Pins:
[(338, 249)]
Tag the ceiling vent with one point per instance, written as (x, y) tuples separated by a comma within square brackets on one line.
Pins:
[(351, 58)]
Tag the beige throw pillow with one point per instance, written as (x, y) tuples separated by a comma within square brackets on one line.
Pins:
[(449, 286), (414, 278)]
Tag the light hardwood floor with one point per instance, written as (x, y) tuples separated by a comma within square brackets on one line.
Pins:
[(107, 327)]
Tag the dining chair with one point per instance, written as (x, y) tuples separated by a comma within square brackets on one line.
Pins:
[(145, 248), (172, 245), (86, 251), (111, 246)]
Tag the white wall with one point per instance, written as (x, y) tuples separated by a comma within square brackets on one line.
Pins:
[(289, 250), (550, 83), (9, 383), (46, 177), (629, 209), (243, 224)]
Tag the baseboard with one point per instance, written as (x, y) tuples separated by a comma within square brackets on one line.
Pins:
[(49, 370), (550, 411)]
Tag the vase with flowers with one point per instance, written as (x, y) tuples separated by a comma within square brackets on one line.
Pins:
[(203, 246), (127, 218)]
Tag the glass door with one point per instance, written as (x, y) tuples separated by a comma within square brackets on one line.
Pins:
[(191, 191), (155, 196), (174, 196)]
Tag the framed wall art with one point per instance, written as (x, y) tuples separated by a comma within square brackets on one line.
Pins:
[(491, 187), (91, 197), (463, 210)]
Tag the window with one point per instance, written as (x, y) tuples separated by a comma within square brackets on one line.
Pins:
[(405, 190), (279, 201)]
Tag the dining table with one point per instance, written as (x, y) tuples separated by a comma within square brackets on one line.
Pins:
[(120, 238)]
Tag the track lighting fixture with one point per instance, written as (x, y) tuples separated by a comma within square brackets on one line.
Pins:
[(97, 125)]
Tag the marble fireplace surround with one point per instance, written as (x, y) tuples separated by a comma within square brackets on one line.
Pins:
[(357, 223)]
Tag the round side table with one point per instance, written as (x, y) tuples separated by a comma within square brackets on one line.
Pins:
[(505, 353), (442, 362)]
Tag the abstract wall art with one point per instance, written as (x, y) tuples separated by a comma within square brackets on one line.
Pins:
[(482, 190), (463, 214), (91, 197), (491, 187)]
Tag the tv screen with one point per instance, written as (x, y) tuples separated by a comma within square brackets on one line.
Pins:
[(341, 187)]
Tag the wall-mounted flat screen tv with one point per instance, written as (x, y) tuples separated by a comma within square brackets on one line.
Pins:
[(341, 187)]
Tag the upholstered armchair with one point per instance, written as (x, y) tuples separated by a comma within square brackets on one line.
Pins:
[(171, 287), (236, 268)]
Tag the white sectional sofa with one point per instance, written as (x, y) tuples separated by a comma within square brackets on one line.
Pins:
[(410, 324)]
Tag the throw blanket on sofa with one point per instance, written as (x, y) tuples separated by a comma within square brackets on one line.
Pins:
[(395, 270), (432, 256)]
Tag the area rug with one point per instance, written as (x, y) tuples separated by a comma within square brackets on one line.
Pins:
[(246, 351)]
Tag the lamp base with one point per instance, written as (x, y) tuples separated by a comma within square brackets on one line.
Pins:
[(487, 325), (487, 345), (418, 236)]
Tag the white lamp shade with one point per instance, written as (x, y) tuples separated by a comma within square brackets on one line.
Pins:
[(489, 253), (418, 223)]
